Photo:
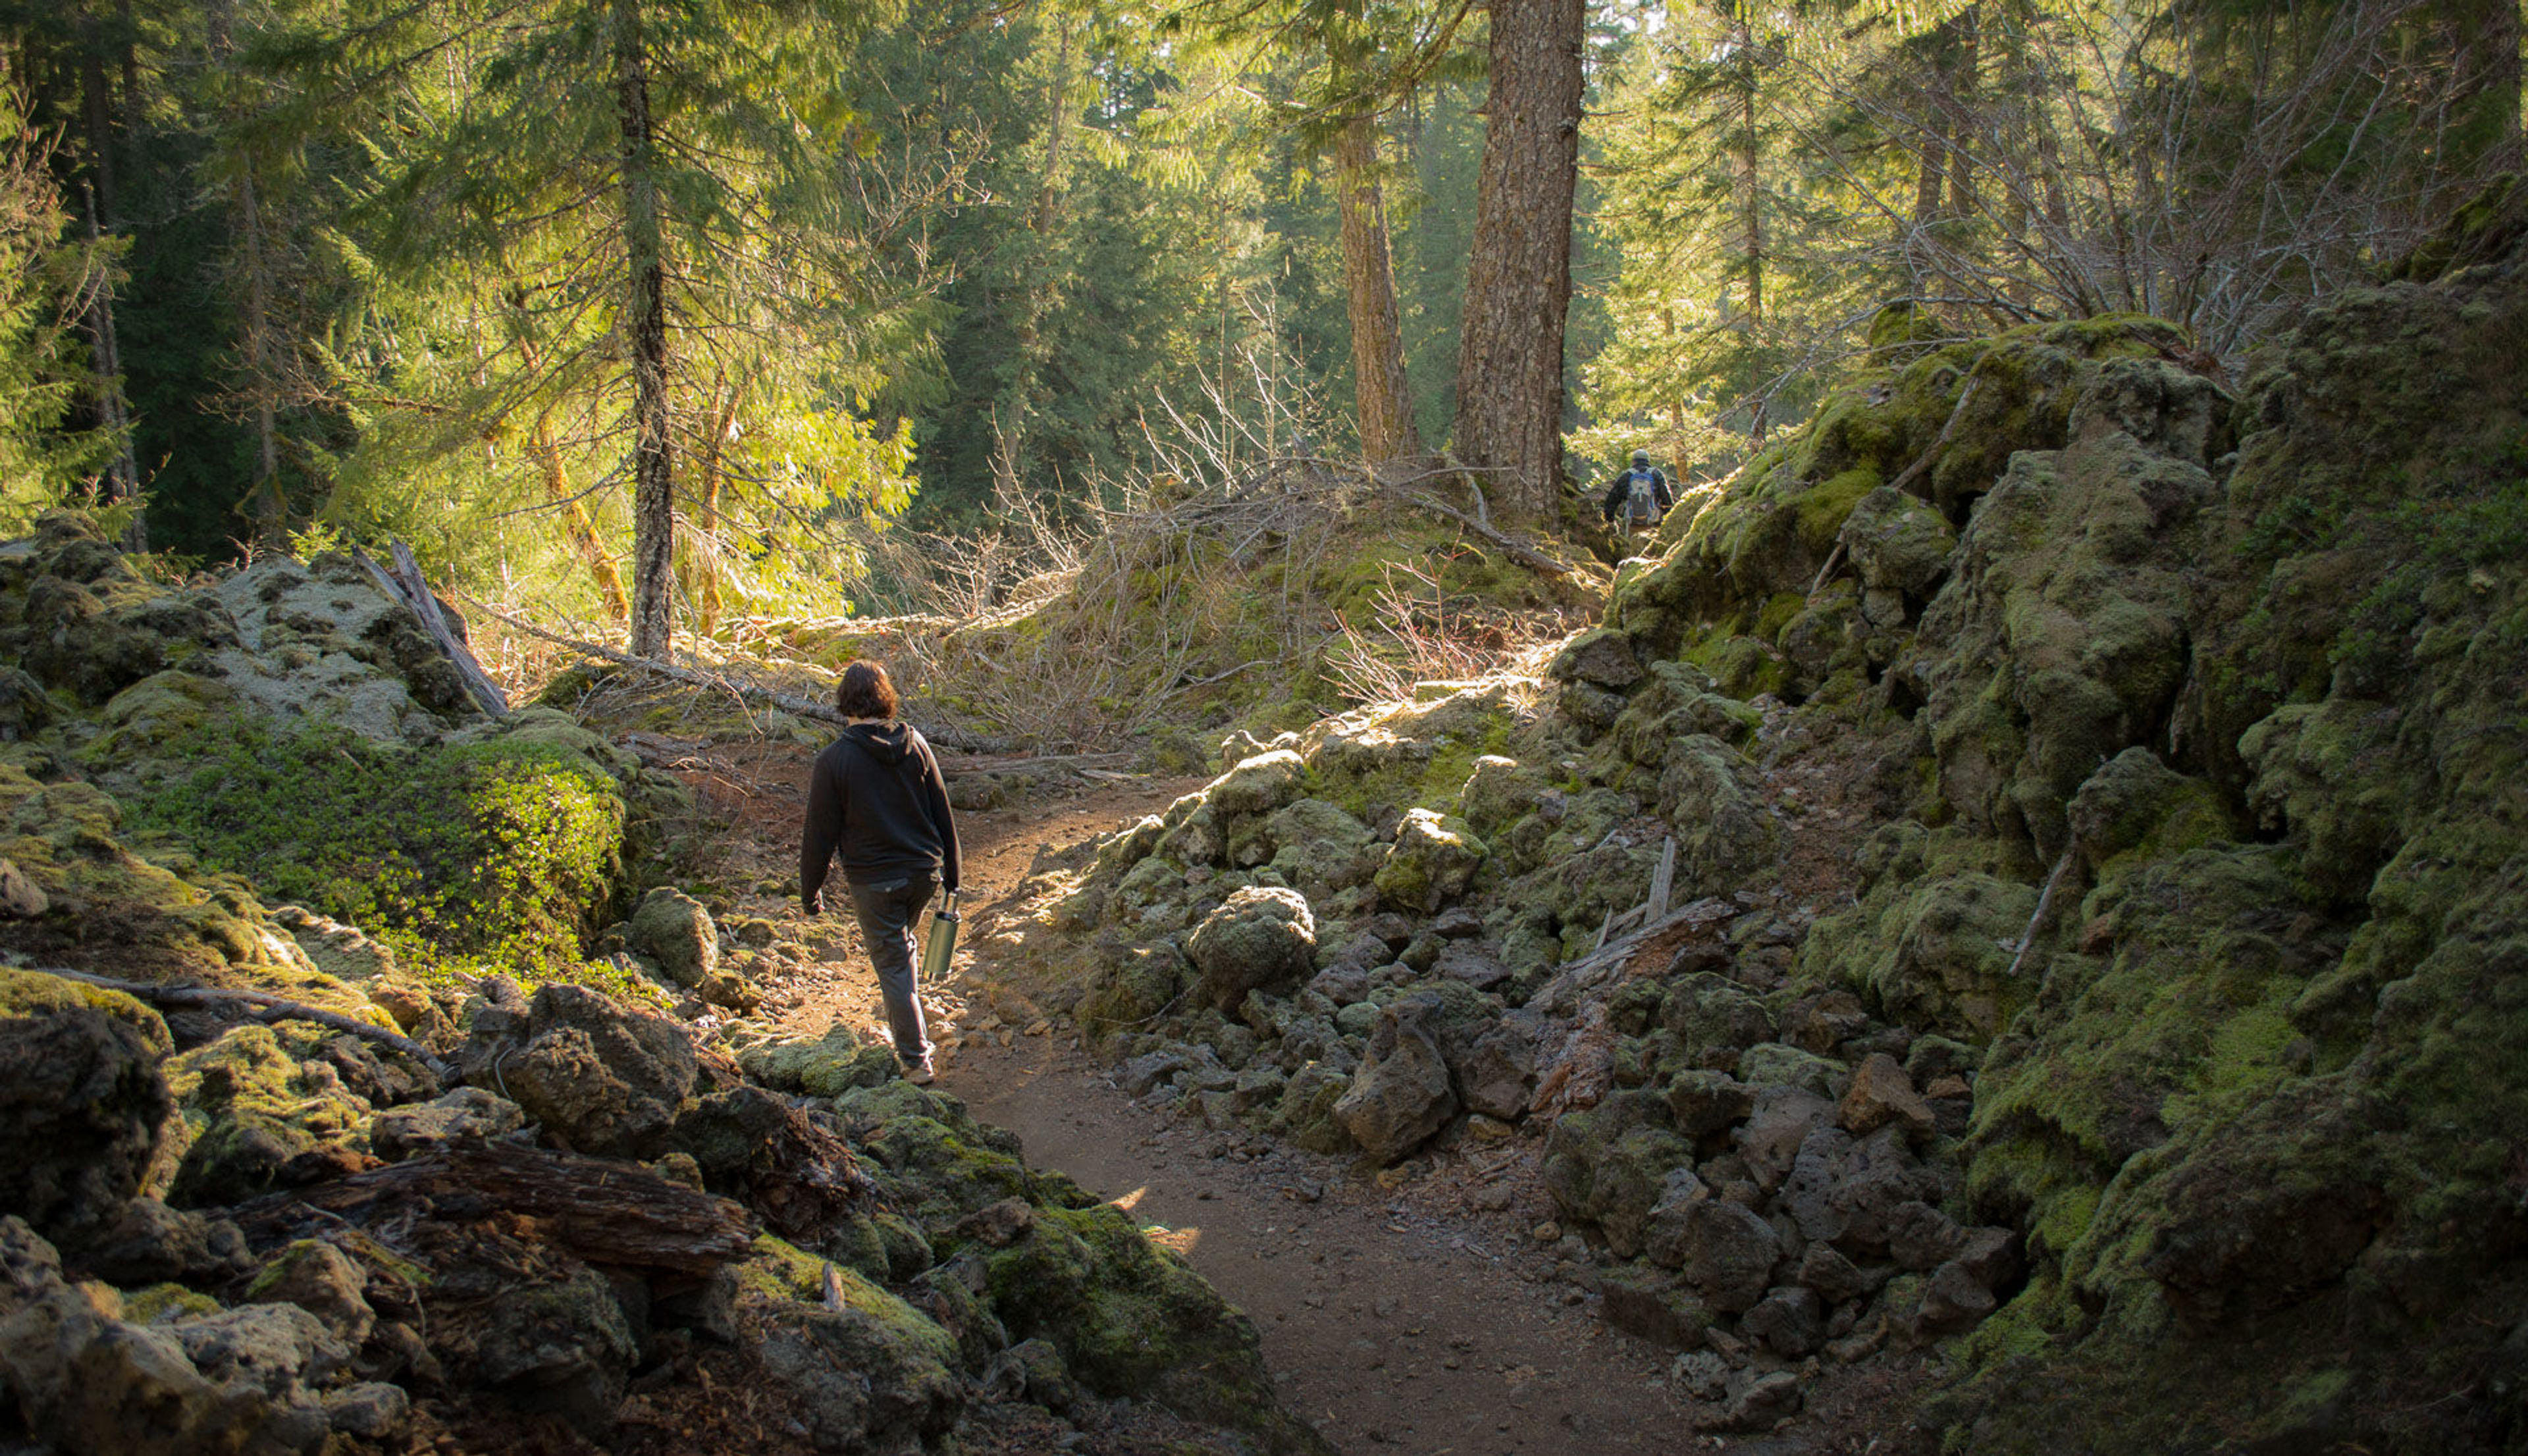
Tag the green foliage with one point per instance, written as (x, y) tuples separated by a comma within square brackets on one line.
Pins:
[(499, 853)]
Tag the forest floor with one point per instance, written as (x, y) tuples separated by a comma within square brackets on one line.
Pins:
[(1413, 1310)]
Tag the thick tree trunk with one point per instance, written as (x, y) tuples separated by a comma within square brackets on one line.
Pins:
[(1385, 402), (653, 500), (1965, 79), (1519, 280)]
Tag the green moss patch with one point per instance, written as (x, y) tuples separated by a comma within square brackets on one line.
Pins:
[(505, 851)]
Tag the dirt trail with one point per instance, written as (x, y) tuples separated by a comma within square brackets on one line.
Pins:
[(1422, 1317)]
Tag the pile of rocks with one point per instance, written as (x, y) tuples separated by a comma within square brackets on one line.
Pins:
[(286, 1239), (1761, 1203)]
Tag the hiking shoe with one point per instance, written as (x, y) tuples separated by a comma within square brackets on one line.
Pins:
[(918, 1073)]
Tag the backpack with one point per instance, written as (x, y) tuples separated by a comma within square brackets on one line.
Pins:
[(1640, 496)]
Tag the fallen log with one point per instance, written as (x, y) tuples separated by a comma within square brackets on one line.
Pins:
[(788, 703), (1524, 554), (405, 584), (265, 1007), (596, 1210)]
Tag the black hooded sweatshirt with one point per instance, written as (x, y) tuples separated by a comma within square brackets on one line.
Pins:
[(876, 796)]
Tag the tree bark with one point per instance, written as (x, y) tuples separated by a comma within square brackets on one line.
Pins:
[(1385, 403), (271, 502), (1751, 200), (1518, 279), (653, 505)]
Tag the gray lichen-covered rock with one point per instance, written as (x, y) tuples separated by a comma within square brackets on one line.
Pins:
[(150, 1243), (562, 1347), (1497, 1072), (1401, 1094), (1259, 938), (1727, 1251), (675, 930), (466, 1115), (1899, 542), (323, 1280), (1498, 791), (1258, 785), (1601, 655)]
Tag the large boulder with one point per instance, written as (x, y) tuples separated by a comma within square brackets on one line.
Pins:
[(869, 1370), (600, 1076), (1401, 1093), (1259, 939), (675, 930), (1433, 861), (1899, 543), (561, 1347), (1257, 786), (1496, 1072), (1727, 1251), (84, 1106), (257, 1116)]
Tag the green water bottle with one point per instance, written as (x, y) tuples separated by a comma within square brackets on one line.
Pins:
[(942, 944)]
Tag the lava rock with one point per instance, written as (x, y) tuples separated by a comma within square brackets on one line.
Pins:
[(1258, 939), (84, 1106), (675, 930), (466, 1115), (1401, 1094)]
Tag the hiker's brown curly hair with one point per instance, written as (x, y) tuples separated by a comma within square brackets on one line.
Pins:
[(865, 692)]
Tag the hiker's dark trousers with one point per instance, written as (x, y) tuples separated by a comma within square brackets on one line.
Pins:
[(887, 911)]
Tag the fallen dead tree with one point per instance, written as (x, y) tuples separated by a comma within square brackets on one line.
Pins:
[(788, 703)]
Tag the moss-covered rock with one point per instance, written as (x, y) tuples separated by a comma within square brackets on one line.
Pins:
[(257, 1116), (84, 1106), (869, 1369), (1433, 861), (1129, 1319), (1258, 939), (509, 848)]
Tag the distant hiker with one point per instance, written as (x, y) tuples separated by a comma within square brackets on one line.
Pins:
[(876, 796), (1639, 496)]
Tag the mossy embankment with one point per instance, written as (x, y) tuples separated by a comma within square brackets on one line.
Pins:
[(181, 757), (269, 782), (2109, 771)]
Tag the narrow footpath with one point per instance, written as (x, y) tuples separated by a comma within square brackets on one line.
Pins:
[(1415, 1314)]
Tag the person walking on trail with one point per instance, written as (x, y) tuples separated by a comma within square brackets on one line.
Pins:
[(1639, 496), (877, 797)]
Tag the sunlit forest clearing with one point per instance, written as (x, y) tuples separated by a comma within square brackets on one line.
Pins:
[(1791, 726)]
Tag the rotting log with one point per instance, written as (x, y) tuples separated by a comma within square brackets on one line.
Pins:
[(788, 703), (596, 1210), (265, 1007)]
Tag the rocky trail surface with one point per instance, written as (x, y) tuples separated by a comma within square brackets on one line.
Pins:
[(1418, 1314)]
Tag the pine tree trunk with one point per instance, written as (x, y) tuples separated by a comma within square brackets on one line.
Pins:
[(1385, 403), (1519, 280), (271, 503), (1751, 203), (653, 506)]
